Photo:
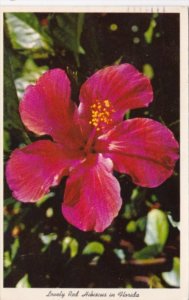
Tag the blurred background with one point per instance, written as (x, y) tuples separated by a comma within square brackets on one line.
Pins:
[(141, 247)]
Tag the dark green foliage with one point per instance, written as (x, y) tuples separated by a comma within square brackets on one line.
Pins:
[(66, 30), (11, 116)]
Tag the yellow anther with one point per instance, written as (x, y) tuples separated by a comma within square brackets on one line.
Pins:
[(101, 112), (107, 103)]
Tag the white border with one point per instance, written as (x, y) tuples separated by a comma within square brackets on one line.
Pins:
[(103, 8), (95, 3), (155, 294)]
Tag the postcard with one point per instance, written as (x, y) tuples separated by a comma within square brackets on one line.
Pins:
[(95, 152)]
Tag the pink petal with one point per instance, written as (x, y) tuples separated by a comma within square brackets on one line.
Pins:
[(143, 148), (124, 86), (32, 170), (92, 196), (46, 107)]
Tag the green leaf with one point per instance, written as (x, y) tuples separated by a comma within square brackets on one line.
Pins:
[(26, 33), (131, 226), (173, 277), (17, 207), (11, 115), (9, 201), (7, 272), (67, 33), (173, 223), (44, 199), (94, 248), (127, 115), (118, 61), (106, 237), (120, 254), (7, 259), (6, 141), (14, 248), (9, 256), (157, 228), (128, 285), (155, 282), (30, 74), (148, 252), (148, 71), (141, 223), (5, 224), (135, 193), (47, 239), (23, 282), (71, 244), (148, 35)]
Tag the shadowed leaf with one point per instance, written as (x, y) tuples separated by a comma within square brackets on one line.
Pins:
[(23, 282), (173, 277), (148, 252), (71, 244), (157, 228), (67, 33), (11, 115), (26, 33), (94, 248)]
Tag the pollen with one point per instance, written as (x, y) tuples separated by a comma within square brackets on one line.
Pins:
[(101, 114), (107, 103)]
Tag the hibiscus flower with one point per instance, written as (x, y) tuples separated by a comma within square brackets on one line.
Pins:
[(89, 141)]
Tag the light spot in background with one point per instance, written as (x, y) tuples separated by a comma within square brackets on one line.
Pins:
[(113, 27), (49, 212), (158, 34), (136, 40), (134, 28)]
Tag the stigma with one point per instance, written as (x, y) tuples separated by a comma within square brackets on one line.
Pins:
[(101, 114)]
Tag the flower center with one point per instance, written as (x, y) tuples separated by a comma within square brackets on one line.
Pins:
[(101, 114)]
